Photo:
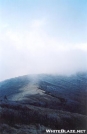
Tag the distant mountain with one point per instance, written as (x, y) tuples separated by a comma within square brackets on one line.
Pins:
[(44, 101)]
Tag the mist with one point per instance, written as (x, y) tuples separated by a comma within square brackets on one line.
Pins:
[(47, 40), (37, 55)]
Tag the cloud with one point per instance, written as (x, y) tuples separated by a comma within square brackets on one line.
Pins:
[(34, 51)]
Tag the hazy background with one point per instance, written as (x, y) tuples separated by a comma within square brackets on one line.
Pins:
[(42, 36)]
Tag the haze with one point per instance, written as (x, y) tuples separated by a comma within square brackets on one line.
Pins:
[(42, 36)]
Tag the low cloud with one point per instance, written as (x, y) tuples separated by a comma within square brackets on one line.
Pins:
[(34, 51)]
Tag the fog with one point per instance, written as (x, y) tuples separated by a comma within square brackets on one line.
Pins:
[(35, 52), (52, 43)]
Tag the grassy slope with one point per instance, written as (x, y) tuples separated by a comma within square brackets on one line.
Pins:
[(56, 102)]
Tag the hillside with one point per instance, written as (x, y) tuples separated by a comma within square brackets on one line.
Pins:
[(33, 103)]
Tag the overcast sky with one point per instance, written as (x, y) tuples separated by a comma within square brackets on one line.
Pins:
[(42, 36)]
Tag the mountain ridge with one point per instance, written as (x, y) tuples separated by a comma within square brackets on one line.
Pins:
[(48, 101)]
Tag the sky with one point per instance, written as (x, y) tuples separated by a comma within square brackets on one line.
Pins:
[(42, 36)]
